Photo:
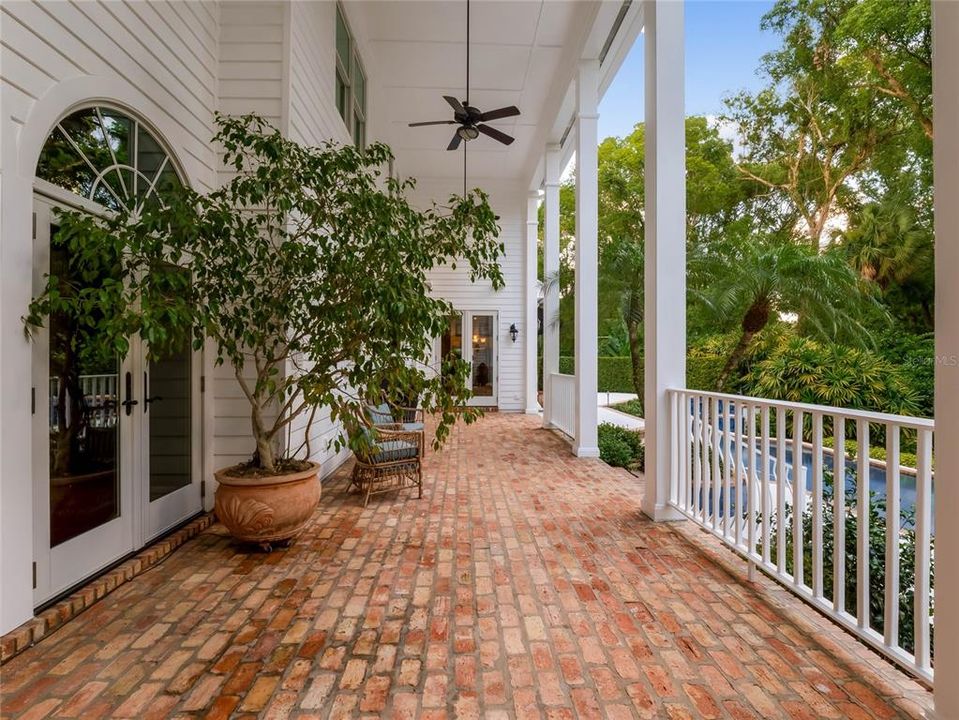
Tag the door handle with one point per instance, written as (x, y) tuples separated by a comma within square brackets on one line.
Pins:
[(129, 403), (146, 394)]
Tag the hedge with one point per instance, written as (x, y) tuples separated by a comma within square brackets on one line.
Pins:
[(616, 373)]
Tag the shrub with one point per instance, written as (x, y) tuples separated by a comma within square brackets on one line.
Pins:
[(804, 370), (630, 407), (915, 355), (621, 447), (705, 360), (877, 559)]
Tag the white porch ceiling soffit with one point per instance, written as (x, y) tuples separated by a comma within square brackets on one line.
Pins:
[(523, 53)]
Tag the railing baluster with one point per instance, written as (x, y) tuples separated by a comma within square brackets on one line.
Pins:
[(862, 524), (781, 490), (799, 499), (715, 486), (702, 500), (891, 606), (817, 544), (674, 446), (687, 428), (697, 453), (723, 447), (727, 466), (751, 480), (738, 467), (923, 588), (839, 515), (764, 480)]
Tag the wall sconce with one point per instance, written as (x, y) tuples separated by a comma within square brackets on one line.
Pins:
[(513, 332)]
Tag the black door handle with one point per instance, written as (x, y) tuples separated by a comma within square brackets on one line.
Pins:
[(128, 403), (146, 394)]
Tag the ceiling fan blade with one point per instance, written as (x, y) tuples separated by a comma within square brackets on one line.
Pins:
[(503, 112), (434, 122), (495, 134), (455, 142), (455, 104)]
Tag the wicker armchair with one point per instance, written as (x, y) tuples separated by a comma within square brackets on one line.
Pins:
[(394, 459)]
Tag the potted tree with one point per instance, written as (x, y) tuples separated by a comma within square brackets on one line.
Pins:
[(307, 273)]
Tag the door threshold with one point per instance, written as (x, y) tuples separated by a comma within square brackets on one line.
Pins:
[(54, 613)]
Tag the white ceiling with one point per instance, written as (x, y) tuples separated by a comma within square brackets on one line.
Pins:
[(520, 51)]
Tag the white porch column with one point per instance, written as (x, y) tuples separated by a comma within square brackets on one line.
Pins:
[(550, 270), (665, 241), (529, 332), (587, 218), (945, 88)]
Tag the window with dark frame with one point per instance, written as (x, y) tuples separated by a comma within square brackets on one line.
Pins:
[(350, 82)]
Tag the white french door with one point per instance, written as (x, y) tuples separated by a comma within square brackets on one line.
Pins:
[(473, 335), (169, 439), (115, 442)]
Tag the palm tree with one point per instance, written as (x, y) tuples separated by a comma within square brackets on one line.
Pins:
[(752, 283), (622, 286), (887, 245)]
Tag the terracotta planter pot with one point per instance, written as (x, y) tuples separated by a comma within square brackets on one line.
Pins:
[(269, 509)]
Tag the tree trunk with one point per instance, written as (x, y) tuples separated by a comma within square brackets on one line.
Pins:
[(735, 357), (633, 328), (264, 448), (755, 319), (264, 451)]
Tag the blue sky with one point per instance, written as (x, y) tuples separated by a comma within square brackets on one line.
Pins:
[(723, 47)]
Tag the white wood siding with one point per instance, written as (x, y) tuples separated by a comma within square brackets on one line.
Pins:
[(313, 114), (509, 202), (167, 51), (252, 73), (314, 119)]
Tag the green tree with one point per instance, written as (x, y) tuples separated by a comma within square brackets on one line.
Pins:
[(714, 203), (756, 282), (308, 271), (840, 90), (887, 246), (887, 42)]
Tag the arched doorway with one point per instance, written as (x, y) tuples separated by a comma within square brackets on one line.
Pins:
[(116, 441)]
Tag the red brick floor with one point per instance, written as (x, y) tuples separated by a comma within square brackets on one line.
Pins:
[(526, 583)]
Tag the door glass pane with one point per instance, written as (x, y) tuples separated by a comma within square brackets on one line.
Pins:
[(84, 451), (452, 340), (169, 412), (483, 356)]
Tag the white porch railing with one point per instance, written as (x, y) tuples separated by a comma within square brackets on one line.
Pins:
[(562, 389), (100, 394), (735, 476)]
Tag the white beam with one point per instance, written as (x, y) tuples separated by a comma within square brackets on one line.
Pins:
[(945, 88), (532, 291), (550, 276), (587, 217), (665, 276)]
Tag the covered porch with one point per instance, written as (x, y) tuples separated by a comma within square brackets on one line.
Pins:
[(526, 583)]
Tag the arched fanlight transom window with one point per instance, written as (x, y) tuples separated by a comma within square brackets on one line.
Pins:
[(106, 156)]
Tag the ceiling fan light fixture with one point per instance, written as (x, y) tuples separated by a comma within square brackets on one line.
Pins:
[(467, 132)]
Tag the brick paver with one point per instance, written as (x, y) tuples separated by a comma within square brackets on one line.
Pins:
[(525, 584)]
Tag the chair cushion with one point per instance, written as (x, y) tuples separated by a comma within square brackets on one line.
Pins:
[(380, 414), (413, 427), (393, 450)]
